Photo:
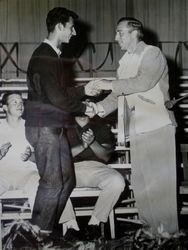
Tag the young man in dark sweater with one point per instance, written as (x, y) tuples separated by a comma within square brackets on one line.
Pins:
[(48, 108)]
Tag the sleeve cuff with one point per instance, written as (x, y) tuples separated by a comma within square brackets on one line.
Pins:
[(101, 112)]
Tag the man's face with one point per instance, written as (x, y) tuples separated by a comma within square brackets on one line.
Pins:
[(82, 120), (67, 31), (123, 35), (14, 105)]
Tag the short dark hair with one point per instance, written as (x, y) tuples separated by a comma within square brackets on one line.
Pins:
[(6, 96), (58, 15), (133, 24)]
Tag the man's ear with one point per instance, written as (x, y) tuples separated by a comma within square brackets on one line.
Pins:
[(60, 26), (134, 33), (57, 27)]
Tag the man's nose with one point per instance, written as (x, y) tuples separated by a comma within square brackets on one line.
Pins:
[(116, 37), (73, 32)]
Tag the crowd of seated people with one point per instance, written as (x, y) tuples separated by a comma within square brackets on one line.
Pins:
[(91, 145)]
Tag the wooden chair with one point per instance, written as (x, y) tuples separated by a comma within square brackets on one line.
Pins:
[(9, 201), (127, 207), (125, 210), (184, 152), (82, 192)]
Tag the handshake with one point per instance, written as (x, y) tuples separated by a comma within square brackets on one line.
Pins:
[(94, 88), (92, 109)]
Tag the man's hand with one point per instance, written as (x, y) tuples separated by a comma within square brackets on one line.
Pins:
[(87, 137), (91, 109), (103, 85), (90, 88), (27, 154), (4, 149)]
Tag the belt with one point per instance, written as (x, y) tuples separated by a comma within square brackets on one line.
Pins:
[(57, 131)]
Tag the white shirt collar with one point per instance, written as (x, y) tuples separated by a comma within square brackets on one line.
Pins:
[(58, 51)]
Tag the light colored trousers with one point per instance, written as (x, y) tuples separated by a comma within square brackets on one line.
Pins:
[(96, 174), (153, 159), (27, 181)]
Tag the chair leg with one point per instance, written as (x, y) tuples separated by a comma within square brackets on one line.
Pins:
[(112, 224)]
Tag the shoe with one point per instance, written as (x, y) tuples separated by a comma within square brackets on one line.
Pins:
[(46, 242), (93, 232), (72, 235), (52, 242)]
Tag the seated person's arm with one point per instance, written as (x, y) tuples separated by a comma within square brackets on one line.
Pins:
[(77, 150), (101, 150), (4, 149), (28, 155)]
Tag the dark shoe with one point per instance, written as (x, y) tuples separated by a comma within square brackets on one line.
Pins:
[(93, 232), (72, 235), (46, 242), (53, 242)]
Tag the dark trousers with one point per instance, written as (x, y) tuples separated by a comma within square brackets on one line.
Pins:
[(57, 179)]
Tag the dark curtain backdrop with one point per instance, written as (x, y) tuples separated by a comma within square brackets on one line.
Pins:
[(23, 21)]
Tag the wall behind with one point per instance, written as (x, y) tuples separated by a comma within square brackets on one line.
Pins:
[(23, 21)]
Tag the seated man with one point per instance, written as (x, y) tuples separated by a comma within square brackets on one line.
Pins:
[(17, 171), (92, 145)]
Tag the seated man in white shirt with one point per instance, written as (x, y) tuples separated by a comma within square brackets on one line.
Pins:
[(17, 171)]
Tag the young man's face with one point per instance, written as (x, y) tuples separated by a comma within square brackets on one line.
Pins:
[(14, 105), (67, 31)]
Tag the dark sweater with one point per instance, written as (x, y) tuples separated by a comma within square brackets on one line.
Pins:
[(50, 100)]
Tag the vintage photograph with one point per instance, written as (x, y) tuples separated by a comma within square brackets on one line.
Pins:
[(94, 124)]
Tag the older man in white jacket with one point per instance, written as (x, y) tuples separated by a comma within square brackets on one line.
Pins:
[(142, 76)]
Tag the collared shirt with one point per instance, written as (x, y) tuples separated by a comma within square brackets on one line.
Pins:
[(58, 51)]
